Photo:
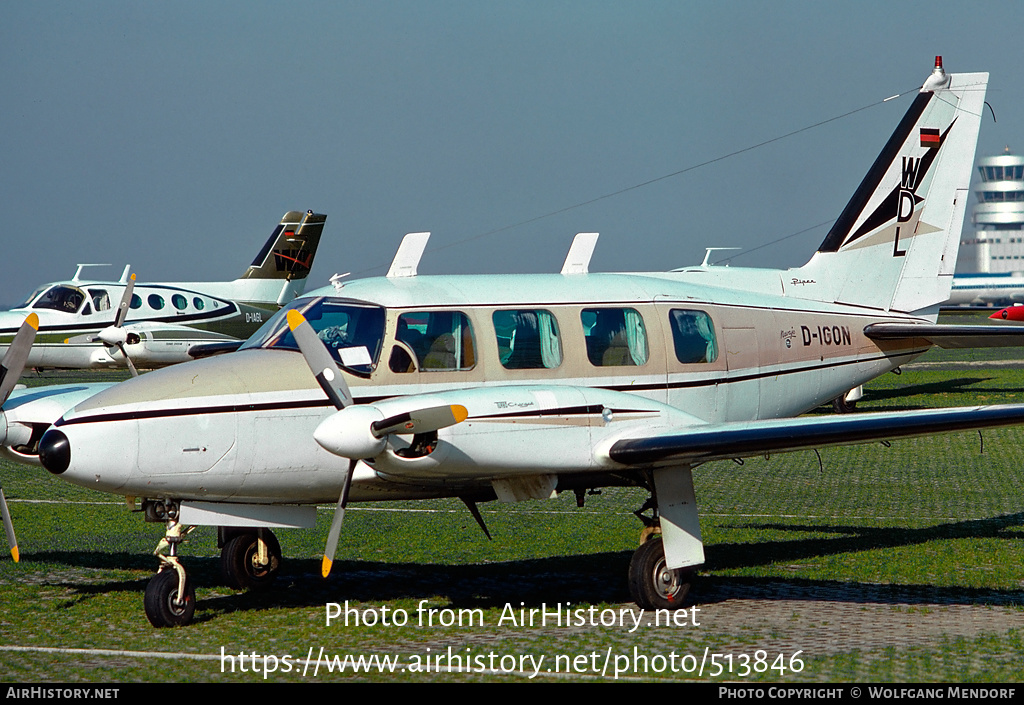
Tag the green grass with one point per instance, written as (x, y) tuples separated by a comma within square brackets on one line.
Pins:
[(922, 539)]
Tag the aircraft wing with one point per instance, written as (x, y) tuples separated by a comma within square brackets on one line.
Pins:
[(950, 336), (700, 444)]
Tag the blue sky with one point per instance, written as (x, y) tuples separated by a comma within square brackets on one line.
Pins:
[(172, 136)]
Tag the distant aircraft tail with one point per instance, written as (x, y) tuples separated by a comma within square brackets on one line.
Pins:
[(894, 246), (279, 272), (289, 252)]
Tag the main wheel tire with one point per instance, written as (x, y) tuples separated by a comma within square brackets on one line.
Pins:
[(651, 584), (239, 562), (161, 601), (841, 406)]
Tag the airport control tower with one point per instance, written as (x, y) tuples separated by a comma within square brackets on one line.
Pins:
[(998, 242)]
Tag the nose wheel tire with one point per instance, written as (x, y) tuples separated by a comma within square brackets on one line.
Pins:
[(240, 563), (651, 584), (163, 606)]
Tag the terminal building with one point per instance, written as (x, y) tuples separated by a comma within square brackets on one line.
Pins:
[(990, 263)]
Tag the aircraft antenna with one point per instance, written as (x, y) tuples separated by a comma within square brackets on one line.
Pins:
[(656, 179)]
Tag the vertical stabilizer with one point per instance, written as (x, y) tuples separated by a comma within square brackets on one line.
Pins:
[(283, 264), (289, 252), (894, 246)]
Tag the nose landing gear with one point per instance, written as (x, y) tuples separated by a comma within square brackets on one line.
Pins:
[(170, 598), (250, 559)]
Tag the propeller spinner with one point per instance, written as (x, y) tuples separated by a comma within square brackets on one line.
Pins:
[(116, 336)]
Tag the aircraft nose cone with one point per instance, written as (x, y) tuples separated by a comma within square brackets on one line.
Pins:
[(55, 451)]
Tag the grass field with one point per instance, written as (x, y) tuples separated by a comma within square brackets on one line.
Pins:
[(870, 563)]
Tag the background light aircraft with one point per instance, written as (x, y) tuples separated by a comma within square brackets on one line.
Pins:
[(519, 387), (80, 325)]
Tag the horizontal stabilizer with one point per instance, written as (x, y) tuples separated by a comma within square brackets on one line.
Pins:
[(748, 439), (947, 336)]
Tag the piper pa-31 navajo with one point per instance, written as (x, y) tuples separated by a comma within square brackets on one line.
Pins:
[(519, 387), (81, 324)]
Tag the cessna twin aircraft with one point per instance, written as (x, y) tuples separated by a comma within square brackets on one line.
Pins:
[(82, 326), (519, 387)]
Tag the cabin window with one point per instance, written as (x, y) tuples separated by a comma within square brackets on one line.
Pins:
[(198, 303), (615, 336), (527, 340), (440, 341), (179, 301), (62, 298), (693, 335), (136, 301), (100, 299), (156, 302)]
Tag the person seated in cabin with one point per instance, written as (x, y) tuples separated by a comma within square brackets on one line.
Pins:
[(442, 354), (617, 337)]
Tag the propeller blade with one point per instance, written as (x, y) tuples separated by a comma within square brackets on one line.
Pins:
[(9, 527), (126, 302), (131, 365), (420, 421), (13, 363), (339, 517), (326, 371)]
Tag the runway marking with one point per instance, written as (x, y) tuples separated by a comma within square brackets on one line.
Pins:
[(110, 652)]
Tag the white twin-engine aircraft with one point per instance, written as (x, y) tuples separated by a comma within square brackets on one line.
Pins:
[(519, 387), (81, 324)]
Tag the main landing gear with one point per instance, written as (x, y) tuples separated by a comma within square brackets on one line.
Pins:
[(651, 584), (250, 558)]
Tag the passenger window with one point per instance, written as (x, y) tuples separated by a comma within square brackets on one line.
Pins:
[(136, 301), (100, 299), (693, 335), (440, 341), (198, 303), (527, 340), (156, 301), (179, 302), (615, 336)]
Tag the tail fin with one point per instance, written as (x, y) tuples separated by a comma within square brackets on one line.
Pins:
[(289, 252), (894, 246)]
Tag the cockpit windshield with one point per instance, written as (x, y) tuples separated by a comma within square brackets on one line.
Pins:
[(62, 298), (352, 332), (31, 297)]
